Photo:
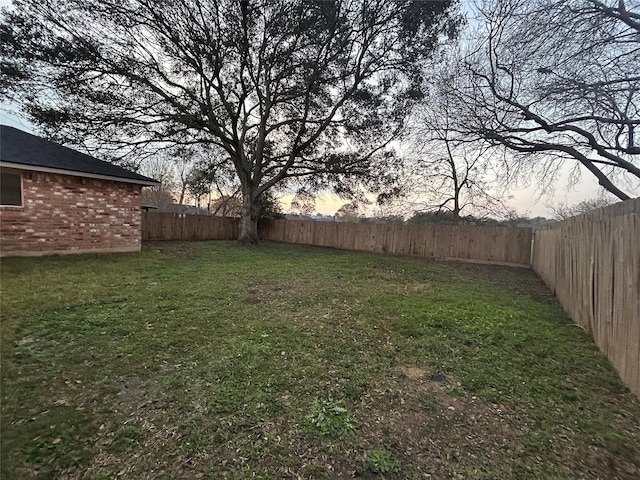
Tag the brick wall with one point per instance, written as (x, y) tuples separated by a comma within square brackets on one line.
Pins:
[(68, 214)]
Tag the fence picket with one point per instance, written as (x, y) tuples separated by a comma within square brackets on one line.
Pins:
[(592, 263)]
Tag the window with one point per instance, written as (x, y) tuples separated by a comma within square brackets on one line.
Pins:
[(10, 189)]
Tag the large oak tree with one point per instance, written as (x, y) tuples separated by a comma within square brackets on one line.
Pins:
[(286, 92)]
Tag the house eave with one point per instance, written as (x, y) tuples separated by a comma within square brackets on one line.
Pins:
[(75, 173)]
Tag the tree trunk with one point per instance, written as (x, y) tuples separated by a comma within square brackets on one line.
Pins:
[(456, 202), (248, 234), (456, 215)]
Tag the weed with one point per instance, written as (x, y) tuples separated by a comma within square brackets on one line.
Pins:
[(379, 461), (329, 418), (126, 438), (101, 476)]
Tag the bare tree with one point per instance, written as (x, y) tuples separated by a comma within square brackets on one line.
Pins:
[(157, 197), (294, 92), (553, 81), (563, 211), (161, 168), (458, 177), (227, 205), (450, 168)]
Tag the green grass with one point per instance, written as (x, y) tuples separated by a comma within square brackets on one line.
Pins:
[(208, 360)]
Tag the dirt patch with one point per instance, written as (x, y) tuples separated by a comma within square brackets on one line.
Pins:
[(412, 373), (261, 291), (139, 422), (429, 431), (409, 288)]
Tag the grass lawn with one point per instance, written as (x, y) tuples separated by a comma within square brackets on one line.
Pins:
[(209, 360)]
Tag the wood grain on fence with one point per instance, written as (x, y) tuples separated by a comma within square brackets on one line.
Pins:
[(506, 245), (177, 226), (592, 263)]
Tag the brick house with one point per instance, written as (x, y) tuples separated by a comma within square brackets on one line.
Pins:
[(57, 200)]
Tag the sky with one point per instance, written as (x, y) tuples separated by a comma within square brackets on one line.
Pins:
[(526, 201)]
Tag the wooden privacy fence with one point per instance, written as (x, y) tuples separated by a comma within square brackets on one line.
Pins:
[(592, 263), (178, 226), (505, 245)]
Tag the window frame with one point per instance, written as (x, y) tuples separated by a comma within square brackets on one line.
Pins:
[(21, 186)]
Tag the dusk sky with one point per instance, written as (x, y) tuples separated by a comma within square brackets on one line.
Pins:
[(525, 201)]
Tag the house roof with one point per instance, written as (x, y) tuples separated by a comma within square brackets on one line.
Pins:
[(19, 149)]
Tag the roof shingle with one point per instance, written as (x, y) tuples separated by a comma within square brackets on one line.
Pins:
[(22, 148)]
